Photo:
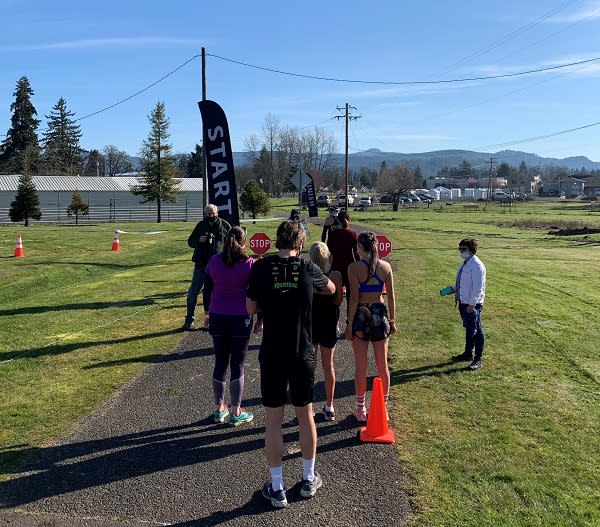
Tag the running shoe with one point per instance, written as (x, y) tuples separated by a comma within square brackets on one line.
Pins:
[(276, 497), (245, 417), (219, 417), (361, 415), (309, 487), (329, 415)]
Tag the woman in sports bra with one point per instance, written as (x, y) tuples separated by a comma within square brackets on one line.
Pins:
[(369, 320)]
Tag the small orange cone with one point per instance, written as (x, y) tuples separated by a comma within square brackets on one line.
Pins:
[(377, 430), (19, 252), (116, 244)]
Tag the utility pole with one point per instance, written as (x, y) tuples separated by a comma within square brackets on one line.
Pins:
[(205, 176), (347, 117), (489, 192)]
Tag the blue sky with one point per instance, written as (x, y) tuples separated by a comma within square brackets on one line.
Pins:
[(96, 54)]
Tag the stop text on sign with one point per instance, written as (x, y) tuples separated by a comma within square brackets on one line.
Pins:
[(260, 243), (384, 245)]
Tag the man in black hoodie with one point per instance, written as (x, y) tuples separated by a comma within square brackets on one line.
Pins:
[(207, 239)]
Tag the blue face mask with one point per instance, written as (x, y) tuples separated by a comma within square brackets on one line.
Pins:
[(465, 254)]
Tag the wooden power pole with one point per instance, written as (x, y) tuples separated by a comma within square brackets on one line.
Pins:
[(347, 117)]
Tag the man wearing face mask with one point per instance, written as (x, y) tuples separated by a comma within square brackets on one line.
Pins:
[(207, 239), (470, 295)]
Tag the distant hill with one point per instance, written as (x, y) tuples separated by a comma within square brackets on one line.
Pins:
[(431, 162)]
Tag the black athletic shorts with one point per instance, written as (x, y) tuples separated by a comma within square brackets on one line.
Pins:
[(277, 372)]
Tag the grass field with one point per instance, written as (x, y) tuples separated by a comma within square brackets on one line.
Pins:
[(515, 444)]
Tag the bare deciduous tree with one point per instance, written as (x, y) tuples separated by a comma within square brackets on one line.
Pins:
[(115, 161)]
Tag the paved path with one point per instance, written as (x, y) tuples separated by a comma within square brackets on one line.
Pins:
[(152, 456)]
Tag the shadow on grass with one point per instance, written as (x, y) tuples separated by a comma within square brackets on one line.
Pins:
[(61, 469), (150, 300), (59, 349), (431, 370)]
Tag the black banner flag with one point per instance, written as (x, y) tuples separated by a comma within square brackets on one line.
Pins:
[(311, 197), (222, 191)]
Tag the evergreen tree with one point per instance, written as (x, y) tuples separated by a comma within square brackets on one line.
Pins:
[(418, 176), (27, 202), (195, 164), (77, 207), (62, 154), (158, 164), (22, 133), (254, 199), (93, 165)]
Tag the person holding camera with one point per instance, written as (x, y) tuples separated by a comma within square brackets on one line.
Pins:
[(330, 223), (469, 289), (207, 239)]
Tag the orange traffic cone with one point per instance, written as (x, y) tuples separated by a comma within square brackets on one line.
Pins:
[(116, 244), (19, 252), (377, 430)]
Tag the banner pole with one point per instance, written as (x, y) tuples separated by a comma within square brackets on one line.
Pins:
[(205, 175)]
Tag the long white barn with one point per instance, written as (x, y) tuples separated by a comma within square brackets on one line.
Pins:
[(109, 198)]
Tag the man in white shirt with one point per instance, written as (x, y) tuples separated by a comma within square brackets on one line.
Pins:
[(470, 295)]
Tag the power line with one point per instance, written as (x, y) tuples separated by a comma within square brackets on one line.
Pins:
[(137, 92), (508, 37), (405, 83), (537, 138)]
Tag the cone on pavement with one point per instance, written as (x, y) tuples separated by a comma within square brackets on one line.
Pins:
[(19, 252), (116, 243), (377, 430)]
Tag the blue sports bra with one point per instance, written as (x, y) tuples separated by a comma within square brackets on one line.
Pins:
[(365, 287)]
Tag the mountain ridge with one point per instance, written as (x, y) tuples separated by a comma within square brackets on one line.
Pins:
[(431, 162)]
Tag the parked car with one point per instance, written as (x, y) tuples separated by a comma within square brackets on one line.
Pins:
[(323, 200), (425, 198), (502, 196), (365, 202), (520, 196), (341, 198), (405, 199), (386, 198)]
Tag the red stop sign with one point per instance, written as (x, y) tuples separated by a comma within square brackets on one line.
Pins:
[(384, 245), (260, 243)]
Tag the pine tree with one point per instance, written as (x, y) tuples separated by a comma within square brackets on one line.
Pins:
[(195, 164), (62, 153), (77, 207), (27, 202), (254, 199), (22, 133), (93, 164), (158, 164)]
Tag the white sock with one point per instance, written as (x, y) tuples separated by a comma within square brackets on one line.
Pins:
[(329, 408), (277, 477), (308, 469)]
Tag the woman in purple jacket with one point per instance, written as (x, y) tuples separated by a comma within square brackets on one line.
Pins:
[(230, 325)]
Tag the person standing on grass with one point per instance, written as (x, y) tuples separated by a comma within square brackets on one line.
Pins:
[(207, 239), (281, 286), (325, 315), (368, 318), (469, 289), (230, 325)]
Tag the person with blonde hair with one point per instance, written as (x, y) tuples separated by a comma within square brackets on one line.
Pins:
[(325, 315), (368, 318), (230, 325)]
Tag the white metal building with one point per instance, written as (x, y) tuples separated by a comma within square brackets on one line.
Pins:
[(109, 199)]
